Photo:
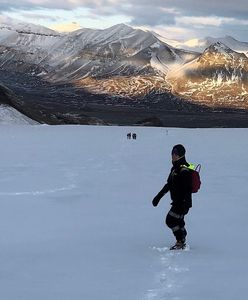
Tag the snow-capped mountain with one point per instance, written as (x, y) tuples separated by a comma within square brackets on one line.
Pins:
[(201, 44), (119, 61), (118, 50), (27, 37), (10, 24), (124, 62), (87, 55), (216, 78), (24, 46)]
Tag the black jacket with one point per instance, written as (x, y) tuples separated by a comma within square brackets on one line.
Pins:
[(179, 184)]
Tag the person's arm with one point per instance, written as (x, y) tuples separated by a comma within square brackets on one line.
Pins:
[(157, 198)]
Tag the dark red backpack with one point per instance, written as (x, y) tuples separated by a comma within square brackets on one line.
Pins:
[(196, 180)]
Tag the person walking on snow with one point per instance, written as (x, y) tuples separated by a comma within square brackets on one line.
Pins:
[(179, 184)]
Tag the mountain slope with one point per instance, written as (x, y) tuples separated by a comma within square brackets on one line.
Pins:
[(118, 61), (201, 44), (118, 50), (124, 63), (24, 46), (97, 60), (11, 116), (217, 78)]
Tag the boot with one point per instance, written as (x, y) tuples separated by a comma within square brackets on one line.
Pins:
[(180, 245)]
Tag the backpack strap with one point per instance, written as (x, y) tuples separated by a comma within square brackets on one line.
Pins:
[(184, 168), (192, 167), (189, 167)]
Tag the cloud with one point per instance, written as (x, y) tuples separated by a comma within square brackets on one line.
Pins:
[(190, 15), (152, 16), (174, 32), (203, 21), (153, 10), (223, 8), (210, 21), (65, 4), (66, 27), (40, 16)]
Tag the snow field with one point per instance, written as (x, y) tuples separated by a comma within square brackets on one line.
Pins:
[(76, 220)]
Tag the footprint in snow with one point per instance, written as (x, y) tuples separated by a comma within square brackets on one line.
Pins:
[(166, 280)]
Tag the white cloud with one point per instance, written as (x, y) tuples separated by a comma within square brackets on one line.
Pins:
[(170, 32), (211, 21), (178, 17), (65, 27), (233, 21), (170, 10)]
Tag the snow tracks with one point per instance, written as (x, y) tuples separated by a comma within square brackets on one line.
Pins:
[(169, 281)]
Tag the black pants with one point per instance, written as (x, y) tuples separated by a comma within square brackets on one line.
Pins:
[(175, 221)]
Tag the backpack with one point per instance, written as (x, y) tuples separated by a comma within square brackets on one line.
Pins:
[(195, 173)]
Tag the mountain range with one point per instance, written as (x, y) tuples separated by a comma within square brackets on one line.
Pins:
[(218, 78), (122, 62)]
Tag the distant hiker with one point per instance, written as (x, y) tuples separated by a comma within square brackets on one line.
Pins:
[(179, 183), (129, 136), (134, 136)]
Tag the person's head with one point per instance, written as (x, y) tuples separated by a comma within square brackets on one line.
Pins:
[(178, 151)]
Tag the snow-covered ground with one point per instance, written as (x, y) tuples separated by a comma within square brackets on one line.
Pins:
[(76, 220)]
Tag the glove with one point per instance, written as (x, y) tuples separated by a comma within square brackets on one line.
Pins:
[(155, 201)]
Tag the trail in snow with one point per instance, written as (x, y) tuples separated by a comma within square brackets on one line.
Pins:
[(168, 280), (37, 193)]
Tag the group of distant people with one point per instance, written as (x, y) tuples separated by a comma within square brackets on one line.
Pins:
[(131, 135)]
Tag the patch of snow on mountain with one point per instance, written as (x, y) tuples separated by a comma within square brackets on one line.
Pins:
[(157, 64), (10, 116), (16, 25), (173, 43), (201, 44), (27, 37)]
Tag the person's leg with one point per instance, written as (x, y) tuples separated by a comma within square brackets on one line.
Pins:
[(175, 222), (183, 232)]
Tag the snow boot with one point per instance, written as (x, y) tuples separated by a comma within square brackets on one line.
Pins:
[(180, 245)]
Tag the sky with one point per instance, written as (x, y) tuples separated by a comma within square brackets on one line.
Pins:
[(174, 19)]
